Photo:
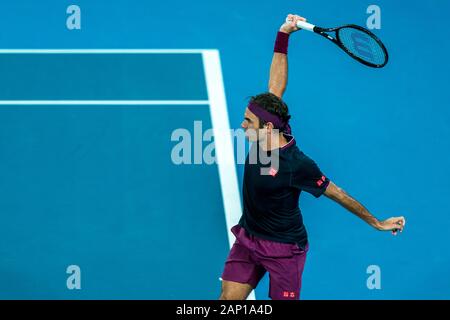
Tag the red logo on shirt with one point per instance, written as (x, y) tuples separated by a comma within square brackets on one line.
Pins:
[(273, 172), (286, 294), (320, 181)]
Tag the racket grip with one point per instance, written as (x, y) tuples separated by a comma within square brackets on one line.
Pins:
[(305, 25)]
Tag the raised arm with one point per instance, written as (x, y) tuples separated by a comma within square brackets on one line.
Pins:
[(340, 196), (279, 67)]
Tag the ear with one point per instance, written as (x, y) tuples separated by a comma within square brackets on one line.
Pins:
[(269, 127)]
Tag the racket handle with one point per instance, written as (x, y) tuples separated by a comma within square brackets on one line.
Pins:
[(305, 25)]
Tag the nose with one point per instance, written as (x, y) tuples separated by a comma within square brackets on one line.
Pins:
[(244, 124)]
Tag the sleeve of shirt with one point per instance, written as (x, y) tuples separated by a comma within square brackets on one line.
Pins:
[(308, 177)]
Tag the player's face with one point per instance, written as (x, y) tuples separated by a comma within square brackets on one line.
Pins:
[(251, 126)]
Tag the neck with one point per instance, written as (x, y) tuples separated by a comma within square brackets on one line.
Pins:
[(274, 142)]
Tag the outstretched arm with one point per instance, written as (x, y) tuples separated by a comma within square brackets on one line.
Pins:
[(279, 66), (340, 196)]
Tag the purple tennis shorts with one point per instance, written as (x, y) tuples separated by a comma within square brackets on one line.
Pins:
[(250, 258)]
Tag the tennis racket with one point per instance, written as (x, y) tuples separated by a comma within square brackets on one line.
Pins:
[(358, 42)]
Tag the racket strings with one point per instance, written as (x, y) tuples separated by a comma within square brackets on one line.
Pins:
[(362, 45)]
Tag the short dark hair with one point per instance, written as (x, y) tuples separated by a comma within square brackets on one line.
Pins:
[(273, 104)]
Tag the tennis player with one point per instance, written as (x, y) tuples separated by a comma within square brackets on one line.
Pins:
[(270, 236)]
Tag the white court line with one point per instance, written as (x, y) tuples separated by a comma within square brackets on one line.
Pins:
[(223, 142), (104, 102), (165, 51)]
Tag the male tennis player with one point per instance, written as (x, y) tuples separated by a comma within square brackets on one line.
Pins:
[(270, 236)]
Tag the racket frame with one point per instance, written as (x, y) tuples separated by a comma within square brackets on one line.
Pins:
[(324, 33)]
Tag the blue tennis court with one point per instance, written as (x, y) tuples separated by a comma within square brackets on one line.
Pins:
[(88, 179)]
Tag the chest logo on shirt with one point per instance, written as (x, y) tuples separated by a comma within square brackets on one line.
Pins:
[(320, 181), (273, 172)]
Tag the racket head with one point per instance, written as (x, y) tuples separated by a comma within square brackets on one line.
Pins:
[(362, 45)]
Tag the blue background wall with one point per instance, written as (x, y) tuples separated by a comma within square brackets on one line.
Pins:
[(382, 135)]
